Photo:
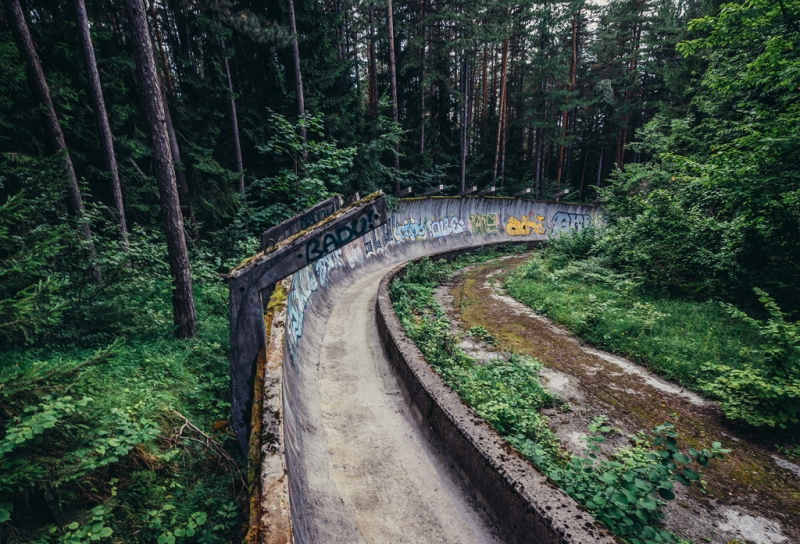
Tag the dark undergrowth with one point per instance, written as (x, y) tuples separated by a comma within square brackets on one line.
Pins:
[(626, 492), (111, 430)]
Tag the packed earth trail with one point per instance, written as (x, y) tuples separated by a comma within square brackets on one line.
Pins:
[(751, 496)]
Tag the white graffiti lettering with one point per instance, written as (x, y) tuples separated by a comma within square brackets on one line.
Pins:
[(564, 220), (448, 226), (411, 230)]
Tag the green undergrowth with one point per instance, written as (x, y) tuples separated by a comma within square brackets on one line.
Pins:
[(626, 491), (752, 367), (112, 430)]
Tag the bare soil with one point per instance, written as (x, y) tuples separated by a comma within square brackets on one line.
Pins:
[(752, 496)]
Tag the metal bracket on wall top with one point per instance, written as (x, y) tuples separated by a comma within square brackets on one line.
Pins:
[(254, 278)]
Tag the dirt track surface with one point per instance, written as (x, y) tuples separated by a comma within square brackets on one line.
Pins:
[(397, 486), (750, 498)]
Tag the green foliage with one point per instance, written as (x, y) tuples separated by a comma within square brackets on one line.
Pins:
[(716, 208), (626, 492), (765, 390), (749, 365), (90, 439)]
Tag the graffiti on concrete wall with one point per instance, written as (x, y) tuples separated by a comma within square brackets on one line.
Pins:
[(387, 230), (411, 230), (447, 226), (332, 241), (373, 242), (304, 283), (353, 254), (484, 223), (564, 220), (525, 226), (326, 264)]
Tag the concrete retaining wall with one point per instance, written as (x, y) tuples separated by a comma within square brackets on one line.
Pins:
[(418, 228), (531, 509)]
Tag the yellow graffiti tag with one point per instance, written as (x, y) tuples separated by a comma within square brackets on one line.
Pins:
[(484, 223), (524, 226)]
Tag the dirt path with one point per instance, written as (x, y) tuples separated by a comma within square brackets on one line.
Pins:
[(750, 497), (385, 470)]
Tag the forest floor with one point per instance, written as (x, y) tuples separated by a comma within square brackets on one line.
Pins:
[(751, 496)]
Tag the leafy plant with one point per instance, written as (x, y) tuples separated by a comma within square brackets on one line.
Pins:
[(627, 491), (766, 389)]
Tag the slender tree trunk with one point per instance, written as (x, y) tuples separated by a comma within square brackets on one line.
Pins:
[(583, 175), (422, 79), (501, 113), (182, 299), (600, 163), (101, 117), (503, 138), (185, 198), (161, 53), (33, 67), (237, 145), (373, 66), (393, 82), (298, 76), (566, 107), (464, 121), (485, 86)]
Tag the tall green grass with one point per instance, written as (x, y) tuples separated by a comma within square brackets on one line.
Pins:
[(674, 337)]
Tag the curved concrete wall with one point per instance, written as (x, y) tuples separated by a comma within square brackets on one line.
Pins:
[(418, 228)]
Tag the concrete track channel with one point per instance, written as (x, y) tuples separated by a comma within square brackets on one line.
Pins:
[(393, 479), (363, 463)]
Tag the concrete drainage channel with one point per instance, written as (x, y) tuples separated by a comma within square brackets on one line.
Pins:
[(376, 449)]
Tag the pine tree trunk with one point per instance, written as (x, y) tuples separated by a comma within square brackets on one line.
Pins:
[(464, 120), (101, 117), (373, 66), (485, 91), (298, 76), (237, 145), (393, 82), (33, 67), (501, 113), (160, 42), (182, 299), (422, 79), (185, 198)]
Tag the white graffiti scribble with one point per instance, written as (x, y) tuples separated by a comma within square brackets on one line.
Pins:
[(447, 226), (565, 220), (304, 283), (326, 264), (353, 253), (411, 230)]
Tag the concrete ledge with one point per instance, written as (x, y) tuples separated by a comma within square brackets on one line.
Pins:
[(529, 507)]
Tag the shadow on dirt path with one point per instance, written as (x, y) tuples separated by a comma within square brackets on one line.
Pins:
[(749, 496)]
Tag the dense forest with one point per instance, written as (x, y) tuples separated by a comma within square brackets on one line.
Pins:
[(144, 145)]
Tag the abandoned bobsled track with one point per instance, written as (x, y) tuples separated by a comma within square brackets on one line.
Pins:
[(377, 448)]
